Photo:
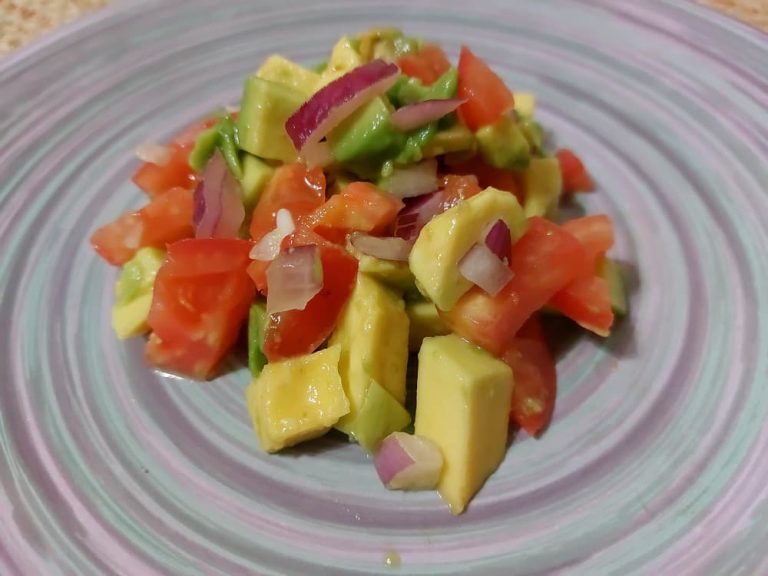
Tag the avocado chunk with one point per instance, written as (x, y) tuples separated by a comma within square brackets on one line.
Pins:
[(204, 147), (373, 335), (424, 322), (256, 175), (611, 271), (525, 104), (386, 43), (133, 291), (457, 138), (394, 274), (130, 319), (296, 399), (379, 415), (366, 134), (542, 183), (257, 322), (264, 109), (344, 57), (444, 241), (504, 145), (279, 69), (462, 404)]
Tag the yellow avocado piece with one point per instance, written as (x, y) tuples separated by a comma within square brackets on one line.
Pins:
[(373, 335), (462, 405), (130, 319), (379, 415), (343, 58), (297, 399), (542, 183), (525, 104), (444, 241), (425, 322), (394, 273), (284, 71)]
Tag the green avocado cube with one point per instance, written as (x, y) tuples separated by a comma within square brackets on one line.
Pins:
[(504, 145), (543, 184)]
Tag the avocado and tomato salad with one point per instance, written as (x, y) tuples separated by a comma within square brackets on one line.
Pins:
[(383, 221)]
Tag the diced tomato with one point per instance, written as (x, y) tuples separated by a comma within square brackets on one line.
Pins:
[(533, 397), (457, 188), (359, 207), (543, 261), (201, 299), (574, 173), (587, 301), (257, 270), (292, 187), (490, 176), (155, 179), (595, 233), (167, 218), (487, 97), (297, 332), (428, 64)]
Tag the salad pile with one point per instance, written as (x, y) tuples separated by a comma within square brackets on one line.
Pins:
[(386, 209)]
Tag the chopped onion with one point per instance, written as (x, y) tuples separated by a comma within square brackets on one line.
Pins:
[(219, 210), (294, 278), (499, 240), (390, 248), (417, 212), (153, 153), (269, 246), (408, 462), (483, 268), (415, 180), (330, 105), (419, 113)]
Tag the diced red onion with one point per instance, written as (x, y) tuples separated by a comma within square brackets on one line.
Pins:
[(153, 153), (411, 181), (499, 240), (269, 246), (389, 248), (330, 105), (483, 268), (294, 278), (408, 462), (219, 210), (417, 212), (419, 113)]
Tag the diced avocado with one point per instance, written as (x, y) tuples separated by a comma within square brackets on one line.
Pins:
[(462, 404), (373, 335), (296, 399), (256, 175), (534, 134), (366, 134), (525, 104), (444, 241), (138, 274), (228, 146), (424, 322), (504, 145), (611, 271), (386, 43), (409, 90), (257, 321), (130, 318), (343, 58), (457, 138), (205, 145), (379, 415), (393, 273), (542, 183), (265, 107), (284, 71)]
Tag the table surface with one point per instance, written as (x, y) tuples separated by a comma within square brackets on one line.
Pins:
[(21, 21)]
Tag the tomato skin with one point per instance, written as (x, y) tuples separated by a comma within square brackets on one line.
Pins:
[(197, 310), (428, 64), (487, 97), (297, 332), (167, 218), (359, 207), (544, 260), (156, 179), (457, 188), (293, 187), (575, 176), (595, 232)]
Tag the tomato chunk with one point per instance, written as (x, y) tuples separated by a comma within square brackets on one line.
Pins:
[(359, 207), (574, 173), (428, 64), (595, 233), (487, 175), (457, 188), (543, 261), (487, 97)]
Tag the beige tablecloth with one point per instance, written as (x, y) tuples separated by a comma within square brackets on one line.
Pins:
[(24, 20)]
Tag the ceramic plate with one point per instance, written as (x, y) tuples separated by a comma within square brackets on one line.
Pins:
[(656, 460)]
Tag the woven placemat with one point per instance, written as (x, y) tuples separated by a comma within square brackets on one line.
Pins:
[(23, 20)]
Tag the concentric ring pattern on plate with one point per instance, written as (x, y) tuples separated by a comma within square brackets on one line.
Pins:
[(655, 463)]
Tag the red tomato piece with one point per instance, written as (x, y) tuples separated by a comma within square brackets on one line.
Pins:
[(257, 270), (167, 218), (428, 64), (487, 97), (359, 207), (297, 332), (587, 301), (292, 187), (595, 233), (544, 260), (197, 310), (457, 188), (574, 173)]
